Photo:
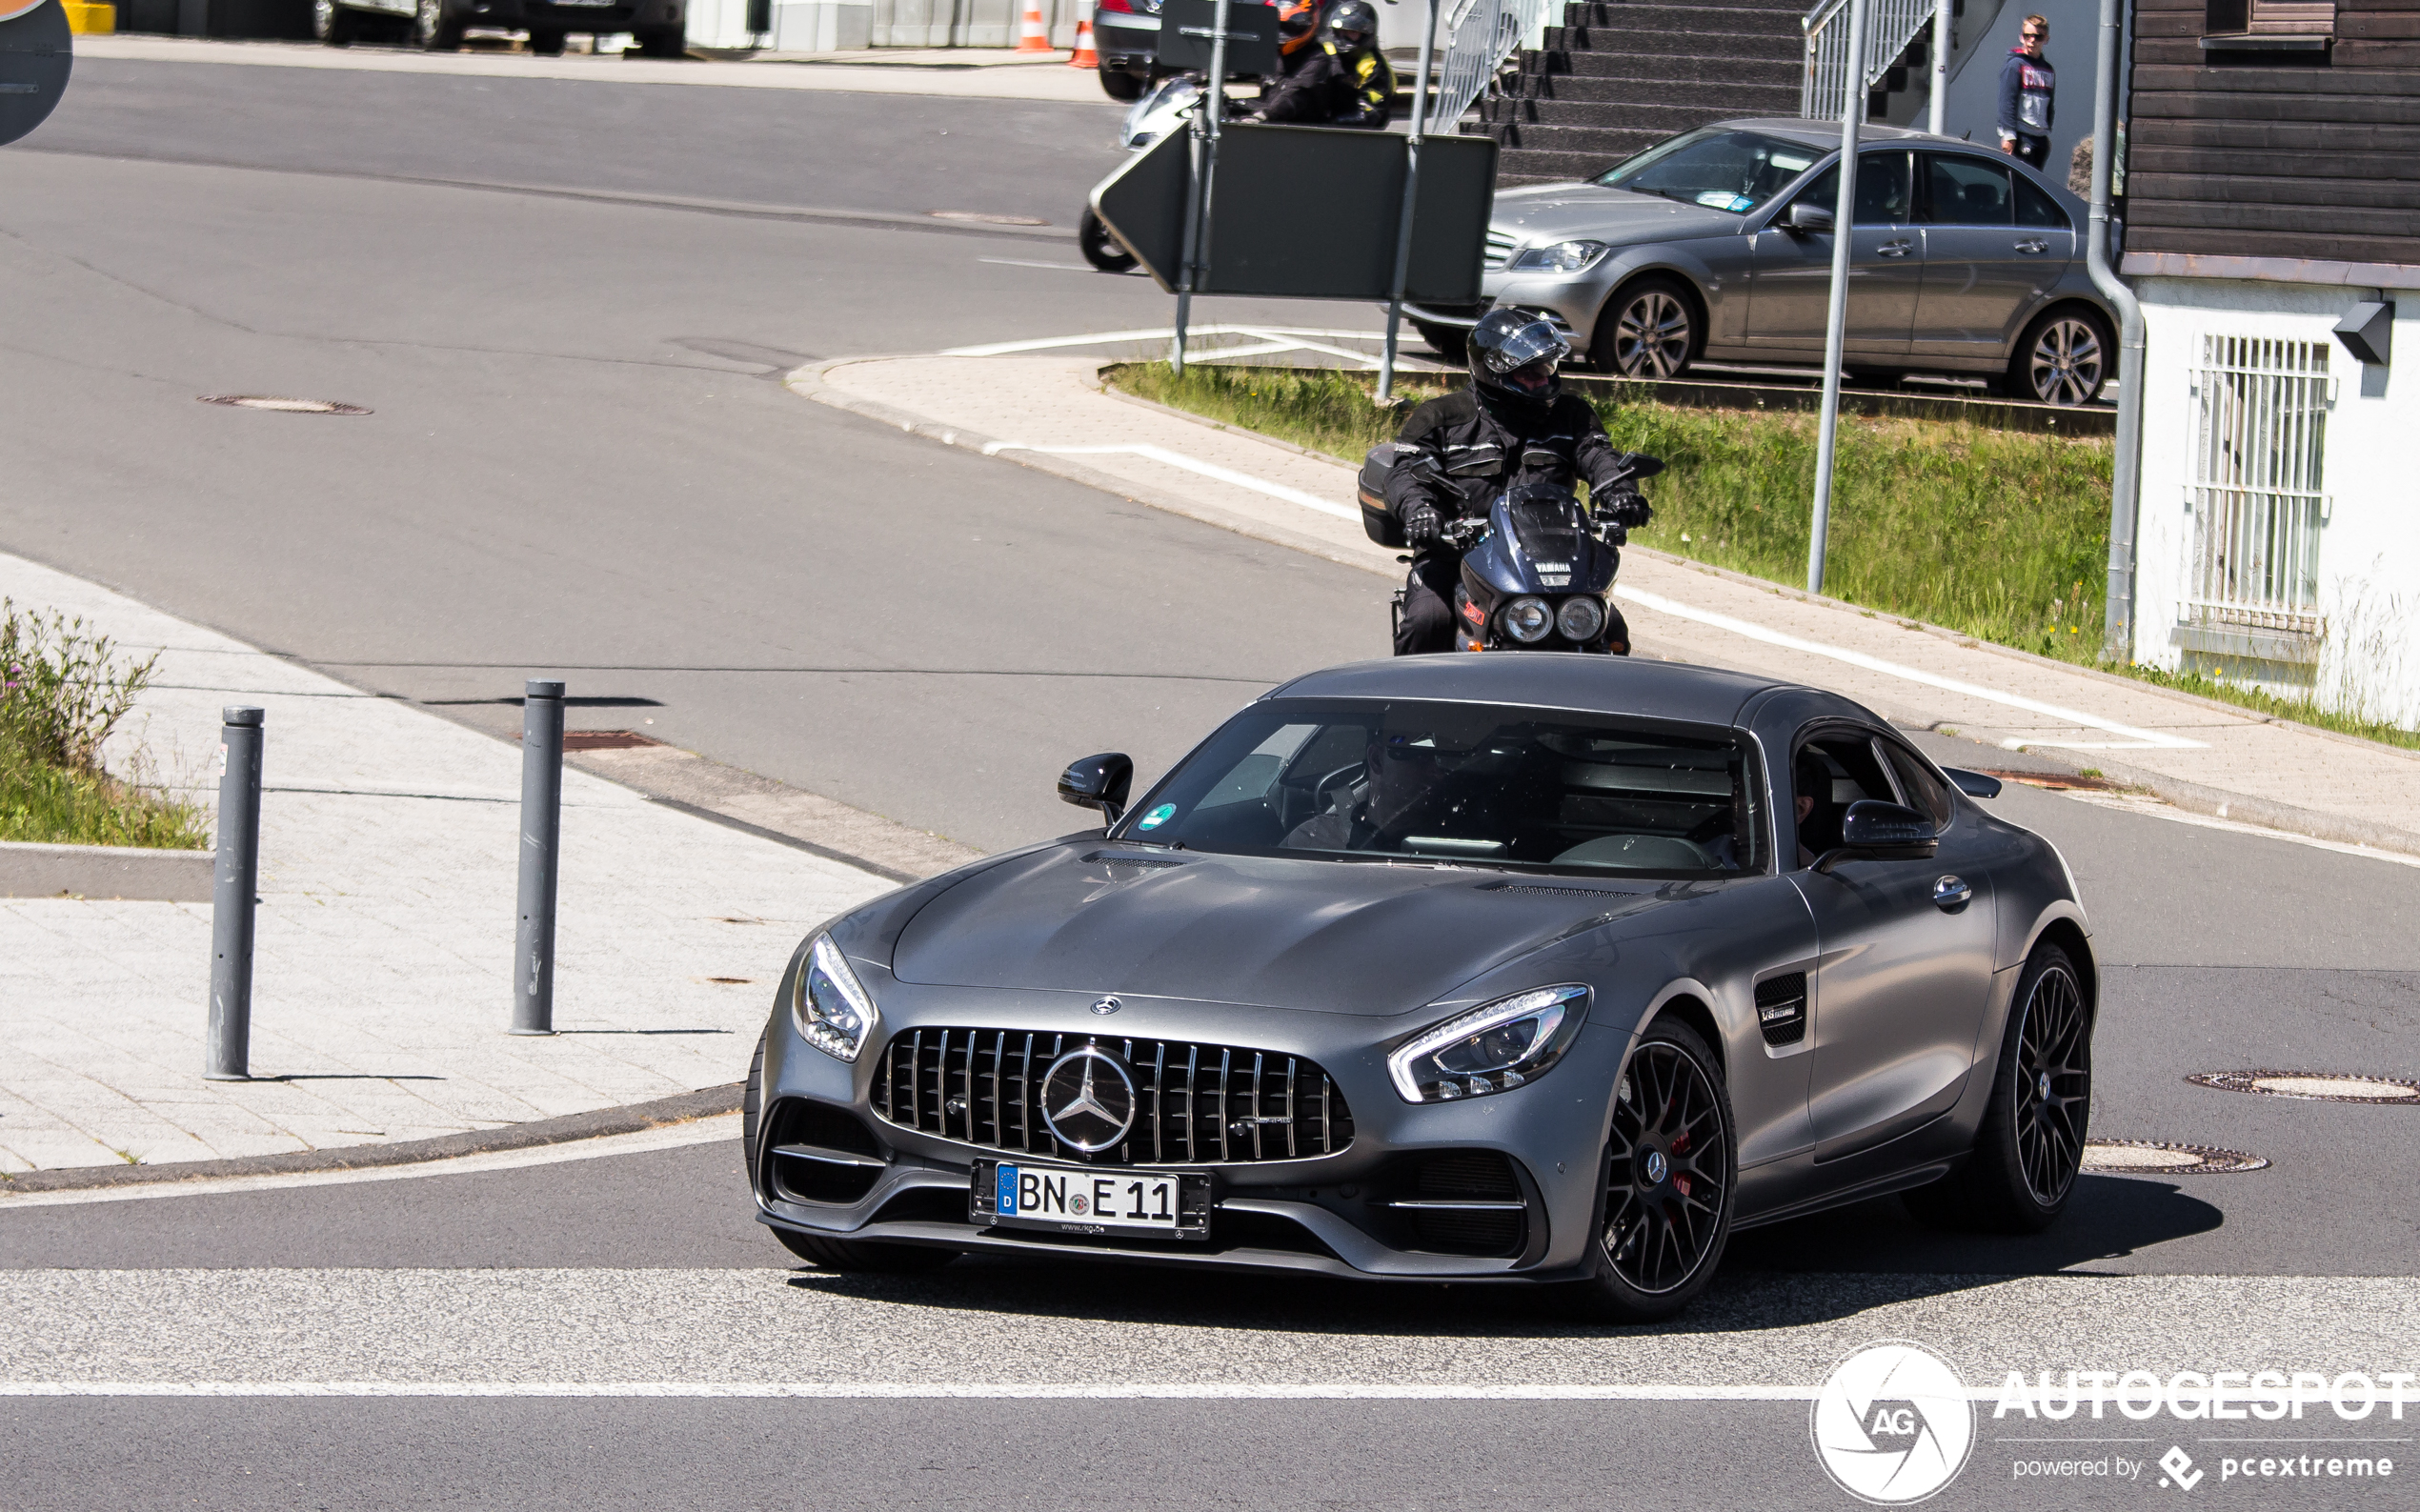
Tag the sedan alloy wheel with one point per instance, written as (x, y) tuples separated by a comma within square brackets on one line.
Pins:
[(2054, 1085), (2066, 362), (1650, 335)]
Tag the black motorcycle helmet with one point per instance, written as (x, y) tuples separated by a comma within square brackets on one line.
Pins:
[(1515, 354), (1353, 23)]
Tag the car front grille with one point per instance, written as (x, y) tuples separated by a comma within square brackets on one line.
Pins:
[(1500, 248), (1196, 1104)]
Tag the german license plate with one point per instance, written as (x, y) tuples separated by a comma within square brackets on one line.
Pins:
[(1072, 1200)]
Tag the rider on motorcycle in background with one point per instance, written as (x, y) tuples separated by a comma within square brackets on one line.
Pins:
[(1343, 81), (1513, 425)]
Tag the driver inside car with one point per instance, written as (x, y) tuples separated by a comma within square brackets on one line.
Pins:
[(1402, 778)]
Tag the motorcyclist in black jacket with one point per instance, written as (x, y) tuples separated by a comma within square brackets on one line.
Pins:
[(1513, 425), (1343, 81)]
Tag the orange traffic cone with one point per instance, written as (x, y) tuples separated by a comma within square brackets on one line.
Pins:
[(1085, 57), (1033, 36)]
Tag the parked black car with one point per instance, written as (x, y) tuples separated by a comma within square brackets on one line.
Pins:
[(659, 27)]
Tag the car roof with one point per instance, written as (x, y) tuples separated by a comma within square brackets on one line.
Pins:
[(1826, 133), (1623, 685)]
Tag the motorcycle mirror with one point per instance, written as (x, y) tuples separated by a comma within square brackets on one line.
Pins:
[(1643, 466), (1098, 782)]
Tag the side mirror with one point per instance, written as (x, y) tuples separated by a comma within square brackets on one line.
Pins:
[(1973, 784), (1098, 782), (1805, 217), (1875, 831)]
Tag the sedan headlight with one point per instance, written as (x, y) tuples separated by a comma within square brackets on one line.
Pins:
[(1527, 620), (1581, 617), (1563, 257), (1495, 1047), (830, 1007)]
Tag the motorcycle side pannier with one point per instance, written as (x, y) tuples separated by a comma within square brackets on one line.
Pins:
[(1377, 520)]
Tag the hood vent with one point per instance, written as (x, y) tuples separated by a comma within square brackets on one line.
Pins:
[(1556, 890), (1113, 858)]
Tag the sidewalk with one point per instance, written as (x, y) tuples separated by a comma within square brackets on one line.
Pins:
[(1051, 413), (979, 73), (382, 985)]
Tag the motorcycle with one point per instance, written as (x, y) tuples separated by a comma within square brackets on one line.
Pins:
[(1167, 107), (1537, 569)]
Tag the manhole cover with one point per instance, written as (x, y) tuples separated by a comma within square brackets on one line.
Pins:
[(2314, 1086), (986, 219), (270, 401), (2149, 1157)]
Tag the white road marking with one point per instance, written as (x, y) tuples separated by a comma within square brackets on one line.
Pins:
[(1190, 464), (670, 1137), (2138, 740), (977, 1390), (1000, 349), (1019, 262)]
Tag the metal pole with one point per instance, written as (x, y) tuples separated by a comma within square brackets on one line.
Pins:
[(1205, 172), (233, 894), (1852, 115), (2117, 632), (1411, 199), (541, 839), (1937, 112)]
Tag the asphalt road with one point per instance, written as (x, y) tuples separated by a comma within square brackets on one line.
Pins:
[(577, 462)]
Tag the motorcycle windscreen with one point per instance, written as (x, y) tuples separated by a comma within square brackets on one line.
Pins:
[(1547, 525)]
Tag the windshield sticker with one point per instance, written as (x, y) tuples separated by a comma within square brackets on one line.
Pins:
[(1157, 817), (1726, 199)]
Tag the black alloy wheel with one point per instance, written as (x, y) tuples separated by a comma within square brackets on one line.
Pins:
[(546, 43), (1645, 331), (2063, 360), (1670, 1168), (2023, 1168), (1100, 249)]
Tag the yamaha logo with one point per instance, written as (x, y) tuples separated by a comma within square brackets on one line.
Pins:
[(1088, 1099)]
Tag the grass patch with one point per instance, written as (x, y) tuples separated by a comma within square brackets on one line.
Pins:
[(2002, 536), (64, 690)]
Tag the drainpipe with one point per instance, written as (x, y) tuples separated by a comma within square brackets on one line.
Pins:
[(1937, 111), (2124, 475)]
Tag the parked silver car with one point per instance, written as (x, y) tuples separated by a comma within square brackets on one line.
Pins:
[(1718, 245)]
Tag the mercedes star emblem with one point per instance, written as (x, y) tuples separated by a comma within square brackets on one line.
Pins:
[(1088, 1099), (1107, 1005)]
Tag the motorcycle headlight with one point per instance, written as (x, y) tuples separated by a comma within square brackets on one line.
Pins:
[(830, 1007), (1527, 620), (1580, 619), (1495, 1047), (1563, 257)]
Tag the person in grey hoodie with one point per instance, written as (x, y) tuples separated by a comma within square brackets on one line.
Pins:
[(2027, 84)]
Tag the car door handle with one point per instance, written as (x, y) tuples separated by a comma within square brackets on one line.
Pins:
[(1895, 249), (2033, 246), (1951, 894)]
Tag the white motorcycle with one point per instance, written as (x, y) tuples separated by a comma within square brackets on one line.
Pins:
[(1167, 107)]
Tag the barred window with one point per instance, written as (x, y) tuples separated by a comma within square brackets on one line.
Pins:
[(2256, 496)]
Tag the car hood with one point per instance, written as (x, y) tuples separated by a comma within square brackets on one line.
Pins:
[(1335, 937), (1553, 212)]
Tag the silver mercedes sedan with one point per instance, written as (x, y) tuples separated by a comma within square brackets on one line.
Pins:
[(1716, 244)]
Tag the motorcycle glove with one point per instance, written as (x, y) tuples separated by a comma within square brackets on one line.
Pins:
[(1628, 509), (1421, 524)]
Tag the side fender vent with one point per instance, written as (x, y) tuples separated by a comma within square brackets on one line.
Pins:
[(1781, 1008)]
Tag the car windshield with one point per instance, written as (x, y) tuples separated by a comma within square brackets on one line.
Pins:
[(1477, 784), (1720, 170)]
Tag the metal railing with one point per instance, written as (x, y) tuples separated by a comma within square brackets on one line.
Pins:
[(1481, 35), (2255, 497), (1890, 26)]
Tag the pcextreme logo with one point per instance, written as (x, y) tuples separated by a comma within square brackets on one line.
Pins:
[(1893, 1423)]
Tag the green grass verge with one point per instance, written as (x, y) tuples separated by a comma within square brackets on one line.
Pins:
[(42, 802), (2002, 536)]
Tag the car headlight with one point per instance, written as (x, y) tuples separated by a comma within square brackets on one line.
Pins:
[(1563, 257), (830, 1007), (1528, 618), (1495, 1047), (1581, 617)]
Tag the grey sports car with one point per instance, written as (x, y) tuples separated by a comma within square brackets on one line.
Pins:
[(1539, 968), (1718, 244)]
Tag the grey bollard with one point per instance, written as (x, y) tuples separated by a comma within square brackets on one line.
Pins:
[(541, 836), (238, 883)]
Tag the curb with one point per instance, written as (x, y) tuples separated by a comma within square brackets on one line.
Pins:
[(120, 873), (629, 1118)]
